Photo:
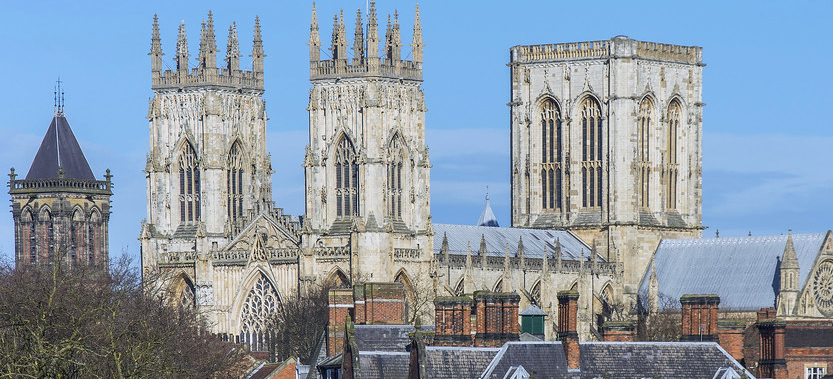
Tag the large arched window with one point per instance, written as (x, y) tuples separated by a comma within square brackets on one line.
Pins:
[(76, 235), (592, 152), (394, 177), (28, 243), (189, 185), (671, 164), (347, 179), (45, 236), (260, 304), (551, 148), (234, 182), (644, 124), (94, 233)]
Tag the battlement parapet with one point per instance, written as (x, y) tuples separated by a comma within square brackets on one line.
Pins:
[(614, 48)]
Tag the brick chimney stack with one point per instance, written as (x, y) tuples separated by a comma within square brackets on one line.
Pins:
[(339, 306), (496, 316), (618, 331), (699, 317), (771, 363), (452, 319), (567, 331), (730, 337), (369, 304)]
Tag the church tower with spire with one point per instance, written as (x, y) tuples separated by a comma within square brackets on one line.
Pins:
[(60, 210), (212, 233), (366, 165)]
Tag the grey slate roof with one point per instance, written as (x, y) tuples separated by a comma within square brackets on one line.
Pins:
[(59, 148), (743, 271), (384, 337), (808, 337), (532, 310), (383, 365), (457, 362), (615, 360), (536, 241)]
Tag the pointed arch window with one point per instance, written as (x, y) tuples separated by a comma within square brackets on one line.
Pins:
[(27, 239), (644, 125), (189, 185), (592, 152), (551, 149), (76, 235), (234, 182), (347, 179), (394, 178), (261, 302), (671, 165), (94, 234), (187, 296), (45, 236)]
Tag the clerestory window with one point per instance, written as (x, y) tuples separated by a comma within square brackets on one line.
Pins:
[(189, 185)]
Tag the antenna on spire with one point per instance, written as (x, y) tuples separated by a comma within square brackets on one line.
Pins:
[(58, 99), (487, 192)]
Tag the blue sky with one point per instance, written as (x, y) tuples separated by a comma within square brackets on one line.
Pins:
[(768, 141)]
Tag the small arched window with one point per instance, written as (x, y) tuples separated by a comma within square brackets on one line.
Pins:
[(394, 177), (672, 167), (234, 182), (347, 179), (27, 239), (94, 233), (45, 235), (189, 185), (644, 125), (551, 149), (76, 235), (592, 153)]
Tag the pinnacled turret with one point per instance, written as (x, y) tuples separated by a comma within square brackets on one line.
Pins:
[(358, 40), (482, 250), (393, 43), (314, 38), (372, 32), (208, 45), (520, 253), (182, 50), (233, 50), (788, 293), (156, 49), (257, 50), (339, 40), (416, 43)]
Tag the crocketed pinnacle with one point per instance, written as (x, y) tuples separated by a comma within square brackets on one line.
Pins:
[(155, 39), (233, 49), (182, 49), (789, 260), (358, 38), (208, 44), (372, 32), (416, 43), (314, 37), (257, 49)]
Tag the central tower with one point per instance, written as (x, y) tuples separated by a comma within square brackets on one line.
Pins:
[(366, 165)]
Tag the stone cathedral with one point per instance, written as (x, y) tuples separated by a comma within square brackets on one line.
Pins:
[(605, 159)]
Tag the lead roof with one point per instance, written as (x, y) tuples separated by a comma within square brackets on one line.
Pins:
[(60, 148), (743, 271), (535, 241)]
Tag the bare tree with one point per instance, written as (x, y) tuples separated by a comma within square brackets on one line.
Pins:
[(87, 322), (662, 324), (297, 325)]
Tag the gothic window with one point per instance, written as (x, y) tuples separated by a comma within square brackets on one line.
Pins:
[(347, 179), (536, 295), (76, 235), (460, 289), (260, 304), (551, 147), (234, 182), (94, 235), (45, 235), (592, 135), (189, 185), (394, 177), (187, 296), (27, 239), (671, 165), (643, 125)]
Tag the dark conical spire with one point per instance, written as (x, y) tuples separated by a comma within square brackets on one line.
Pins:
[(233, 49), (156, 47), (59, 154)]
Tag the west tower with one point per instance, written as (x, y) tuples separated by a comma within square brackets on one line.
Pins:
[(366, 166), (60, 210), (212, 235), (606, 141)]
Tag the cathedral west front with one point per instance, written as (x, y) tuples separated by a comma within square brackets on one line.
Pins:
[(606, 160)]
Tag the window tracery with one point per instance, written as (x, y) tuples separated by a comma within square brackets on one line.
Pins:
[(644, 125), (551, 149), (591, 152), (234, 182), (189, 185), (394, 178), (671, 164), (261, 302), (347, 179)]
